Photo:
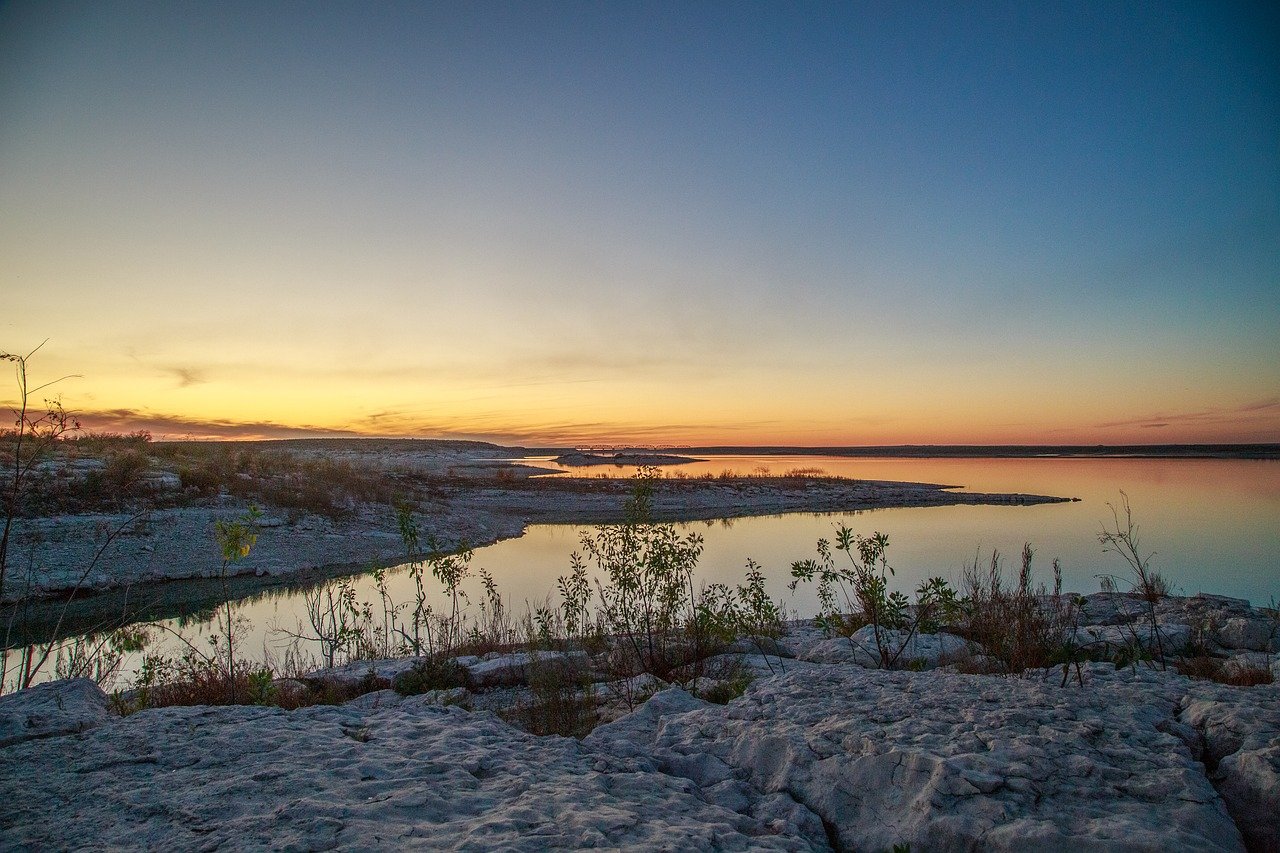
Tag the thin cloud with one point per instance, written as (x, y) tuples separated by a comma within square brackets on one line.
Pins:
[(177, 426), (188, 376), (1217, 414)]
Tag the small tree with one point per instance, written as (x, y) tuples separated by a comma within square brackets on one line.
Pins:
[(235, 540), (649, 598), (32, 440)]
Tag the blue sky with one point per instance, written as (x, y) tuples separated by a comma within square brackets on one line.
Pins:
[(799, 223)]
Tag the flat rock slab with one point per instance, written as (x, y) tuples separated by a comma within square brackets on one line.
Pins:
[(408, 776), (948, 762)]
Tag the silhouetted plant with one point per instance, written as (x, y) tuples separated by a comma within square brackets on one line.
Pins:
[(1144, 581), (26, 446), (24, 450)]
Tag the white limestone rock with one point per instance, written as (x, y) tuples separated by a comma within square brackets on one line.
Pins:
[(1111, 608), (916, 650), (514, 668), (1108, 639), (409, 776), (1241, 731), (760, 646), (945, 762), (360, 671), (1254, 633)]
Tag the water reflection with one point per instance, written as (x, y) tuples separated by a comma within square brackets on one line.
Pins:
[(1211, 523)]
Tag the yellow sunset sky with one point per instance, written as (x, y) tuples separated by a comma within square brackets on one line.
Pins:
[(668, 224)]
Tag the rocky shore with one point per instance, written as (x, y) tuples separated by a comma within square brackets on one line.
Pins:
[(821, 752)]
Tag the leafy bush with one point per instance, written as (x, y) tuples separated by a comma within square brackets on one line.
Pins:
[(647, 598), (854, 595)]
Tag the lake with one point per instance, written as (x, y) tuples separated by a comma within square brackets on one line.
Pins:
[(1213, 524)]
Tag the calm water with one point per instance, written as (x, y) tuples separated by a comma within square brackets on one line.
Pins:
[(1214, 526)]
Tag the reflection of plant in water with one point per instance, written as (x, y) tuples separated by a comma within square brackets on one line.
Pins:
[(348, 628)]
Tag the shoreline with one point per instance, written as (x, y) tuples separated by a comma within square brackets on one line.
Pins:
[(168, 564)]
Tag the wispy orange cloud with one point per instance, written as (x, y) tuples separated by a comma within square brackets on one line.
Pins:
[(405, 425)]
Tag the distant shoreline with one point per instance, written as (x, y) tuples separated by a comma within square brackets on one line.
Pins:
[(900, 451), (977, 451)]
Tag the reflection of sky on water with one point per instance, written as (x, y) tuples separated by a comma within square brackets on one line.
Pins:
[(1212, 524)]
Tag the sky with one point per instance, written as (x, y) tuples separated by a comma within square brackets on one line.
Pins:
[(660, 223)]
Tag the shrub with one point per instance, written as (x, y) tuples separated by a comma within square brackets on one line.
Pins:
[(1208, 668), (647, 599), (1144, 581), (561, 700), (724, 691), (1019, 627), (433, 672), (857, 594)]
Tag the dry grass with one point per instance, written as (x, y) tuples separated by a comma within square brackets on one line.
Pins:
[(1020, 626), (1206, 668), (210, 686), (561, 701)]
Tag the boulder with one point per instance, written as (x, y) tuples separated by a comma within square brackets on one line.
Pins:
[(1108, 639), (53, 708), (359, 672), (1241, 732), (515, 668), (1255, 634), (759, 646), (916, 651)]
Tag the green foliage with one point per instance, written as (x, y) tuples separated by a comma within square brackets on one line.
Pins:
[(575, 597), (724, 691), (646, 592), (259, 689), (648, 605), (561, 700), (746, 611), (235, 540), (860, 589)]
